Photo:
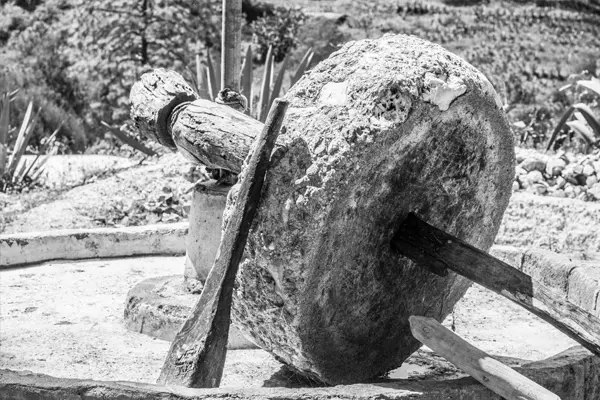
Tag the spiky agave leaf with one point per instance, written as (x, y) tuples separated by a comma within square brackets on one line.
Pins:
[(4, 128), (304, 63), (201, 78), (212, 77), (125, 138), (583, 130), (591, 85), (18, 175), (585, 112), (263, 107), (278, 81), (560, 126), (43, 148), (27, 127), (246, 79), (12, 96), (38, 168)]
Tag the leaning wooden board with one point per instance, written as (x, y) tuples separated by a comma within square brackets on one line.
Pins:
[(490, 372), (197, 355)]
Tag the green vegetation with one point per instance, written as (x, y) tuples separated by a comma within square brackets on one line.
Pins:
[(580, 118), (76, 60), (15, 171), (259, 102)]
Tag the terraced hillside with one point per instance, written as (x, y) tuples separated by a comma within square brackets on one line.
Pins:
[(527, 51)]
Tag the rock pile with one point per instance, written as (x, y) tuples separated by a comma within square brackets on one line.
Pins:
[(559, 175)]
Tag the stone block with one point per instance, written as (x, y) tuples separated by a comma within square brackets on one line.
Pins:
[(159, 306), (584, 286)]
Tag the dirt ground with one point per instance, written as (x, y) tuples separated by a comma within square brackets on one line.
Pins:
[(66, 318)]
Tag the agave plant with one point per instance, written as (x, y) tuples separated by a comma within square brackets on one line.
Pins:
[(15, 170), (121, 134), (580, 118), (208, 80)]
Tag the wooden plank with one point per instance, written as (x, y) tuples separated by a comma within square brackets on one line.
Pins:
[(197, 355), (438, 250), (491, 373)]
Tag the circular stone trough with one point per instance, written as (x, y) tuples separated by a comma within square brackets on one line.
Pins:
[(159, 306)]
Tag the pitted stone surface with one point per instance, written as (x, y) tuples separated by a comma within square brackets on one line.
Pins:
[(381, 128)]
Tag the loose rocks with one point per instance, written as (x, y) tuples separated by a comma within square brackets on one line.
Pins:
[(381, 128), (564, 175)]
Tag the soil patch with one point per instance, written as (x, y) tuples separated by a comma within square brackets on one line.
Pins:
[(66, 319)]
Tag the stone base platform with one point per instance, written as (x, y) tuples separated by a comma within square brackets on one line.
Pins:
[(572, 375), (159, 306)]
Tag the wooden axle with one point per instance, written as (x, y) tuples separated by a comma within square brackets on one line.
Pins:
[(438, 251), (165, 108)]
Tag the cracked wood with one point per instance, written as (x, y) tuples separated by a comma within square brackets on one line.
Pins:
[(197, 355)]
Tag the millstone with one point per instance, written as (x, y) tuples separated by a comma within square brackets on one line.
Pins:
[(381, 128)]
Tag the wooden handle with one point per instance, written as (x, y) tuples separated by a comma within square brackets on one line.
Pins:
[(153, 98), (491, 373), (197, 355), (165, 108), (438, 250)]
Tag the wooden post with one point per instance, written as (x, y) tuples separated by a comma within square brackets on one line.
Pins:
[(438, 250), (197, 355), (231, 44), (491, 373)]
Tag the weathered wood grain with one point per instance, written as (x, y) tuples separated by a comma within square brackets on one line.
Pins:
[(153, 98), (491, 373), (436, 249), (207, 133), (214, 135), (197, 355)]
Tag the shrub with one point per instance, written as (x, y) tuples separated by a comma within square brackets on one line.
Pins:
[(15, 172), (253, 11), (279, 30), (323, 36)]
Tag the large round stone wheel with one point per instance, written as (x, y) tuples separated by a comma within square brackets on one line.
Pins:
[(379, 129)]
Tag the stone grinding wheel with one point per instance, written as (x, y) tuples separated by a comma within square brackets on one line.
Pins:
[(381, 128)]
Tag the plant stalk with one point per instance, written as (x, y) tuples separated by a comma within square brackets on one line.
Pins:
[(231, 44)]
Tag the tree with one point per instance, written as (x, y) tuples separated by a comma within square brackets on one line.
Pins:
[(125, 38)]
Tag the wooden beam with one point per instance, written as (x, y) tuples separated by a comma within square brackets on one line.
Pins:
[(438, 250), (197, 355), (207, 133), (153, 98), (491, 373)]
